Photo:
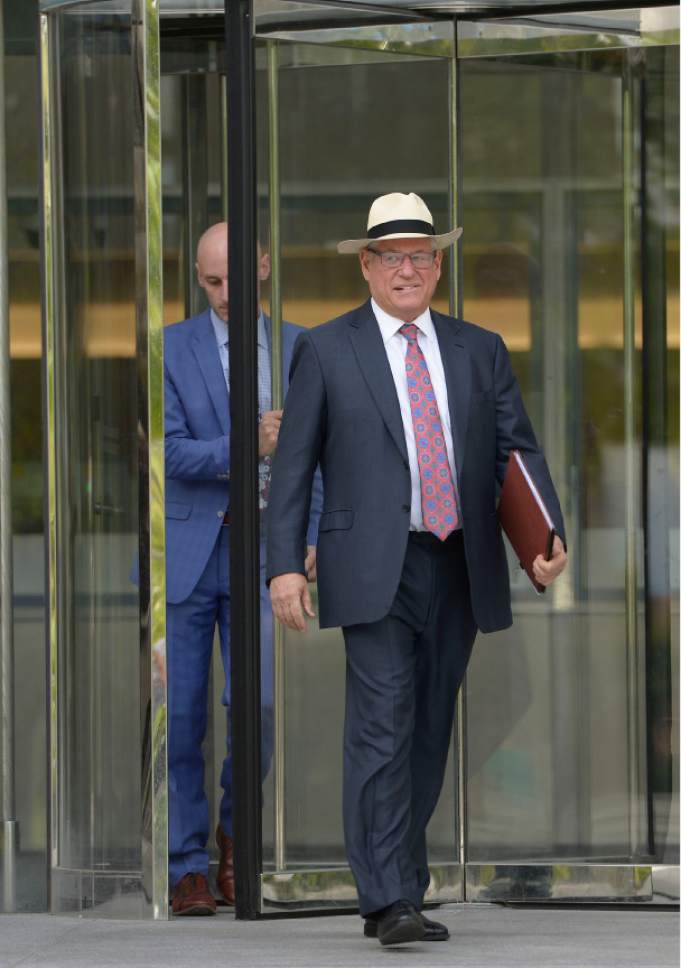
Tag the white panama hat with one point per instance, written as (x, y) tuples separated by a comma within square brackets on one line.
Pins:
[(399, 216)]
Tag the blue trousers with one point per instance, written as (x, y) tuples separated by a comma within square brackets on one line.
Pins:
[(190, 630), (403, 674)]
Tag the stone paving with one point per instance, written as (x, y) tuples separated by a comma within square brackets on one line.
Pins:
[(483, 936)]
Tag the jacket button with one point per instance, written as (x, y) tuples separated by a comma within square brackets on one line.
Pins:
[(221, 514), (406, 507)]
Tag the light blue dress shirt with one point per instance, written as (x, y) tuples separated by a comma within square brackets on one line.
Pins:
[(221, 329)]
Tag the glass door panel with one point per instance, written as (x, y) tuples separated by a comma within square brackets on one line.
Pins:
[(556, 716), (326, 181), (107, 694), (99, 664), (193, 102)]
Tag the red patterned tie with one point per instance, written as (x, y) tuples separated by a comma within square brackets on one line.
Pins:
[(438, 500)]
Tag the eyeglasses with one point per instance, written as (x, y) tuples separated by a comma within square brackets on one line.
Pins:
[(392, 260)]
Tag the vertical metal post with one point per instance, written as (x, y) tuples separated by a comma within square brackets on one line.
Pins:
[(149, 293), (455, 192), (456, 309), (637, 838), (555, 287), (277, 403), (195, 172), (224, 148), (275, 219), (8, 822), (657, 508), (244, 512), (50, 262)]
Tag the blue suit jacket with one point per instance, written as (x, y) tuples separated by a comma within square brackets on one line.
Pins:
[(197, 451), (342, 412)]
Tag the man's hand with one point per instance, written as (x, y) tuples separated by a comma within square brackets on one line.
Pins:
[(546, 572), (291, 600), (268, 432), (311, 563)]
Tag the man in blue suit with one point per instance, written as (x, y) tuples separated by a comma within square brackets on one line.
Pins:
[(412, 416), (198, 460)]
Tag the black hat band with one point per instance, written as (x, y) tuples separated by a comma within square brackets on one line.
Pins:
[(401, 225)]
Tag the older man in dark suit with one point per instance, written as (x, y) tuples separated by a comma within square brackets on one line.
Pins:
[(412, 416)]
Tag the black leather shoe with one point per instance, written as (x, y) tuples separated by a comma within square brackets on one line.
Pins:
[(433, 930), (399, 923)]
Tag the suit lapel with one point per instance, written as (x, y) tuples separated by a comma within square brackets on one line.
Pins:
[(206, 351), (456, 364), (372, 358)]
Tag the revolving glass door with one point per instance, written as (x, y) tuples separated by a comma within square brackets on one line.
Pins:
[(561, 783)]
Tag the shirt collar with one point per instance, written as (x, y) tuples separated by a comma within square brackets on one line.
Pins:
[(222, 330), (390, 325)]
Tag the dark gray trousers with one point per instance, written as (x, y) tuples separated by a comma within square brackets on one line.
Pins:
[(403, 674)]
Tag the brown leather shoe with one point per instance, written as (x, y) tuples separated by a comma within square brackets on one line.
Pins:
[(191, 896), (225, 876)]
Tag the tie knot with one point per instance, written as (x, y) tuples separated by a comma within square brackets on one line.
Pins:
[(409, 331)]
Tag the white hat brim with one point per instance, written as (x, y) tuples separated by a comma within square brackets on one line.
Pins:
[(350, 246)]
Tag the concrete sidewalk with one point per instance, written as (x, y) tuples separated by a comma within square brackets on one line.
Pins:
[(483, 936)]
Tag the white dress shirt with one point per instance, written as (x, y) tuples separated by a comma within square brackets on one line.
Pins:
[(396, 348)]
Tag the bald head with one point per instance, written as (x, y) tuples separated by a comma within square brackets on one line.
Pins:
[(212, 243), (211, 268)]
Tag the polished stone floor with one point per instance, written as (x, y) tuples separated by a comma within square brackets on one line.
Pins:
[(482, 936)]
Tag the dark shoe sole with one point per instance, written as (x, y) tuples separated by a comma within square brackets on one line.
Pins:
[(371, 931), (403, 933)]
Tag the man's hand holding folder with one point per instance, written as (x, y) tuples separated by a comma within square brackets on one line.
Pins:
[(529, 527), (546, 571)]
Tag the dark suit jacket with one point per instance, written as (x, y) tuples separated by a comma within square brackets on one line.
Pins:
[(342, 412)]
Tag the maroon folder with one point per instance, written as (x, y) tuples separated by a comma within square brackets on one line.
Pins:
[(524, 517)]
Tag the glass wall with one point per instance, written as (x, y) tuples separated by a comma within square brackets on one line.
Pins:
[(23, 233), (557, 764), (660, 306)]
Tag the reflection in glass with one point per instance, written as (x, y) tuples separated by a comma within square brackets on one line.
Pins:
[(30, 706), (99, 822)]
